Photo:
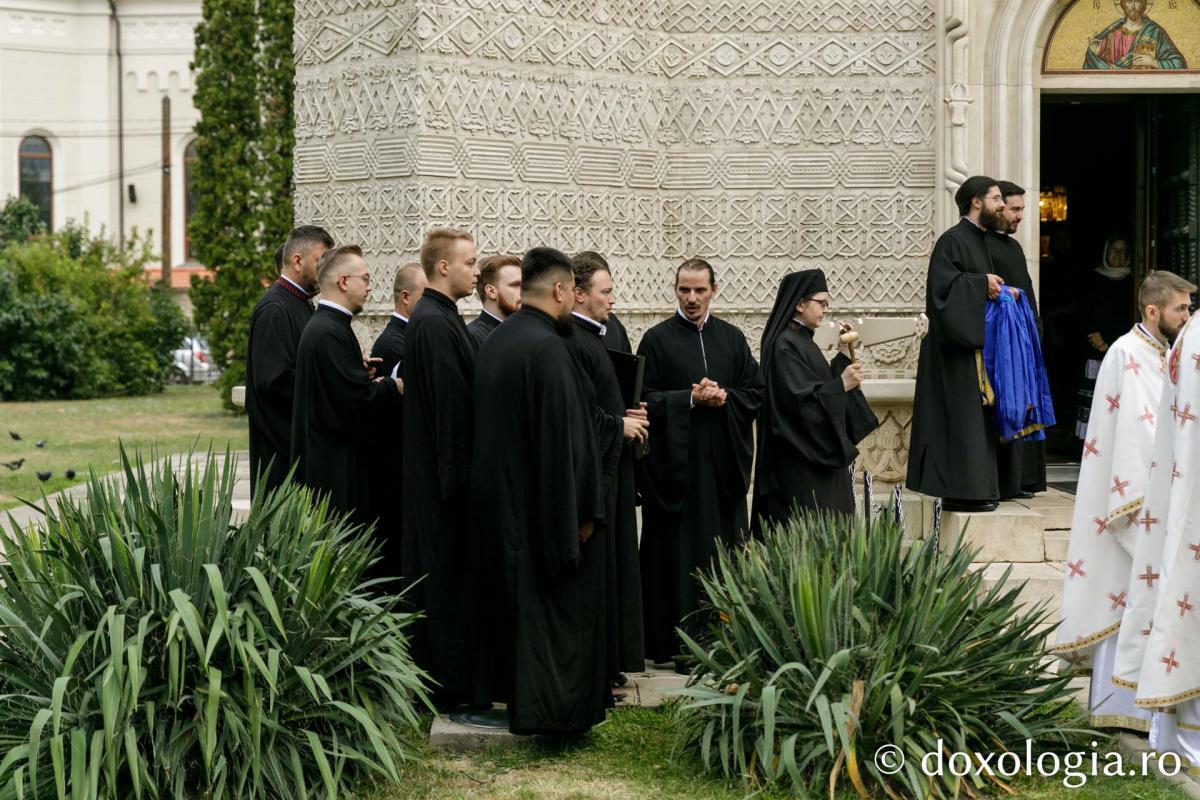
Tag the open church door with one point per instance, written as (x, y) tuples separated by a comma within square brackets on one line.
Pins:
[(1173, 188)]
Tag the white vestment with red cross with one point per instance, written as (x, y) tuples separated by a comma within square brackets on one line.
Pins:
[(1113, 473), (1170, 668)]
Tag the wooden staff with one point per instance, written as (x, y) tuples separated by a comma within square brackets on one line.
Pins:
[(850, 339)]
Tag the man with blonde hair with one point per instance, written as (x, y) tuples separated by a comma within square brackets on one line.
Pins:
[(338, 405), (499, 290), (1110, 515), (439, 362)]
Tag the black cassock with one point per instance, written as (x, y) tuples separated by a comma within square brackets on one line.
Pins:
[(536, 462), (439, 360), (694, 479), (278, 320), (808, 430), (952, 450), (1020, 466), (615, 336), (624, 587), (336, 413), (481, 327), (387, 458)]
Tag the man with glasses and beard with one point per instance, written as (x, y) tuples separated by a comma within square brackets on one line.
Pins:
[(952, 454)]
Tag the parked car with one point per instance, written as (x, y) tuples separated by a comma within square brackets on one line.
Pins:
[(194, 363)]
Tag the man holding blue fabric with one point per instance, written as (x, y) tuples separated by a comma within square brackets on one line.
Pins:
[(1020, 465), (952, 454)]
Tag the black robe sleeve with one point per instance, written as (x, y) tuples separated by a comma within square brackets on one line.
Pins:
[(274, 363), (349, 394), (664, 470), (957, 296), (743, 399), (452, 409)]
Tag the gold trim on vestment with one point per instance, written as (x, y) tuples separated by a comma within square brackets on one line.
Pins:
[(1123, 510), (985, 386), (1175, 699), (1124, 684), (1086, 641)]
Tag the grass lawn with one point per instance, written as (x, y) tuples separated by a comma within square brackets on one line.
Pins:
[(631, 757), (83, 434)]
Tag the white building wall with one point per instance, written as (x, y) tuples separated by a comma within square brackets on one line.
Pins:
[(58, 79)]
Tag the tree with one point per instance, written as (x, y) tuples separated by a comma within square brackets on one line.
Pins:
[(243, 169), (20, 220)]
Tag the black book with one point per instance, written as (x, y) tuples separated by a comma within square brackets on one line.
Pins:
[(630, 369)]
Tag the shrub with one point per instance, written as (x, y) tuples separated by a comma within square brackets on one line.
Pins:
[(20, 220), (152, 647), (827, 643), (79, 320)]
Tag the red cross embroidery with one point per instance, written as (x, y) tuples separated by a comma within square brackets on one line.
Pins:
[(1149, 627), (1170, 662), (1186, 416), (1184, 605), (1195, 548), (1089, 448), (1076, 568), (1118, 486), (1147, 417), (1102, 524), (1149, 576), (1148, 520), (1175, 473), (1135, 366), (1118, 600), (1131, 517), (1114, 402), (1075, 658), (1174, 409)]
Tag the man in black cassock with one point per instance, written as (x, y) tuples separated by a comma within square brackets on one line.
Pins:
[(1020, 465), (952, 450), (339, 406), (813, 413), (617, 428), (387, 457), (499, 290), (439, 362), (702, 391), (535, 458), (275, 327)]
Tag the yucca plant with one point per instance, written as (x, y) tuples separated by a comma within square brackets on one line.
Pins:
[(152, 647), (829, 641)]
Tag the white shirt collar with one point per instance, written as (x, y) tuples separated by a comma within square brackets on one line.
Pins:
[(679, 311), (973, 222), (293, 283), (603, 328), (335, 306), (400, 317)]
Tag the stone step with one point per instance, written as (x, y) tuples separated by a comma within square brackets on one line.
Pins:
[(1011, 533), (1056, 545), (1041, 582), (1055, 506)]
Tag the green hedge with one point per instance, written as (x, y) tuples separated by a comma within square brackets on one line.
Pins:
[(78, 319)]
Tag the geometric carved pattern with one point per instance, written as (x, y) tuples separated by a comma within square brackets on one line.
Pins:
[(766, 135), (481, 159), (469, 102)]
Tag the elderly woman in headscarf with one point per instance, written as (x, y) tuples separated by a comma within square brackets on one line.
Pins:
[(813, 414), (1108, 314)]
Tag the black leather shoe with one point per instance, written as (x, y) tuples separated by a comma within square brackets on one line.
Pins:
[(969, 506)]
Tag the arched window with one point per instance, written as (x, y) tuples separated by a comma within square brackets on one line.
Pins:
[(189, 196), (36, 170)]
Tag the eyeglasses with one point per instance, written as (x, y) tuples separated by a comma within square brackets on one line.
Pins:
[(366, 278), (823, 303)]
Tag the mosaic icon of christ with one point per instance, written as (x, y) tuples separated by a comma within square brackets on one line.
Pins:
[(1133, 42)]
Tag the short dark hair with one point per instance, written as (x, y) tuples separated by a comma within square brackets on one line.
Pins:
[(279, 258), (972, 187), (489, 272), (405, 280), (302, 239), (587, 264), (697, 265), (1158, 287), (1008, 189), (540, 265)]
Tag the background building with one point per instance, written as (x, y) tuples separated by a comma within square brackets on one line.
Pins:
[(81, 89)]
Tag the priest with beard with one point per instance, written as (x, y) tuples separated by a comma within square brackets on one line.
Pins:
[(499, 290), (813, 414), (339, 405), (702, 392), (617, 429), (387, 457), (275, 327), (543, 531), (952, 451), (1020, 465), (439, 362)]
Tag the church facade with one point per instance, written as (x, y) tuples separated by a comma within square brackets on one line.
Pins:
[(764, 135)]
